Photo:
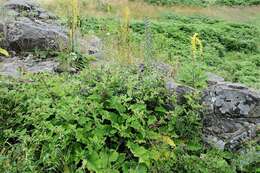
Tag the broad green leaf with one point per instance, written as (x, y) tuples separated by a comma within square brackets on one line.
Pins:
[(113, 156), (151, 120), (140, 152), (4, 52), (160, 109), (168, 140)]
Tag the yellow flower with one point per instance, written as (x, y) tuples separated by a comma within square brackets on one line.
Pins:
[(196, 44)]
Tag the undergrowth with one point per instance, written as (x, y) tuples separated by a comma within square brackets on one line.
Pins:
[(105, 120)]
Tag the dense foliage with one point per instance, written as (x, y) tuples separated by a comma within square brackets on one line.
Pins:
[(204, 2), (102, 120)]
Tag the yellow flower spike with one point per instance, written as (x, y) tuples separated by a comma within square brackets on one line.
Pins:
[(126, 15), (196, 44)]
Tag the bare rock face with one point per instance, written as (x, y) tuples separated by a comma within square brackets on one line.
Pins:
[(231, 116), (30, 27)]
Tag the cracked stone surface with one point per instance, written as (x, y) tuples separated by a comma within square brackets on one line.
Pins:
[(231, 112), (231, 115)]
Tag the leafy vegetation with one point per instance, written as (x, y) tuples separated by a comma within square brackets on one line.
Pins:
[(104, 120), (119, 117)]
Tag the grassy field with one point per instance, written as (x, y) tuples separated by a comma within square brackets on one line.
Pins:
[(231, 43)]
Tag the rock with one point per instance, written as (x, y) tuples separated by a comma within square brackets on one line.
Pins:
[(164, 69), (15, 66), (22, 5), (94, 45), (27, 8), (213, 79), (179, 90), (231, 112), (31, 28), (231, 115)]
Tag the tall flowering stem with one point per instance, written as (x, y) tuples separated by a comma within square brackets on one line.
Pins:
[(74, 23)]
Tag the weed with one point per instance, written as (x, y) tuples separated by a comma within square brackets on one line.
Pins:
[(124, 37), (73, 24), (148, 45)]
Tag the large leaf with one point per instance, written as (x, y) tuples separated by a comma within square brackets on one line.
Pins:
[(4, 52)]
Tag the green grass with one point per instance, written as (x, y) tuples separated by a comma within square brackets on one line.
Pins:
[(230, 49)]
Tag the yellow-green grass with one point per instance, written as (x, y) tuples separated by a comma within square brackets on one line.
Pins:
[(139, 9)]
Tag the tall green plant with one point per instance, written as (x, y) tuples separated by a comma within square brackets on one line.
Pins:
[(148, 44), (73, 24), (193, 74), (124, 46)]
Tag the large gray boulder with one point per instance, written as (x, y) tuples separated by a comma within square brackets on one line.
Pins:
[(26, 26), (231, 115), (231, 112)]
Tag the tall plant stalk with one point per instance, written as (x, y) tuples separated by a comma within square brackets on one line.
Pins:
[(148, 44), (197, 48), (124, 46), (74, 23)]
